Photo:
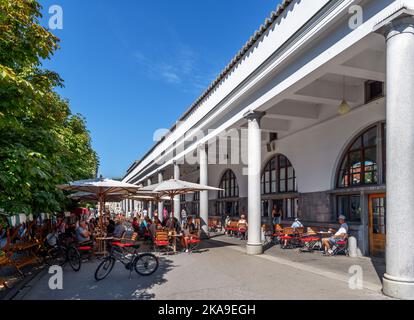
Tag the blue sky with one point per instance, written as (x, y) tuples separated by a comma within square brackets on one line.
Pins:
[(132, 67)]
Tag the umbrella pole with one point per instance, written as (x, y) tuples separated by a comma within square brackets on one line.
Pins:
[(100, 211)]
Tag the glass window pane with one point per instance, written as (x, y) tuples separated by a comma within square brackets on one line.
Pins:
[(370, 138)]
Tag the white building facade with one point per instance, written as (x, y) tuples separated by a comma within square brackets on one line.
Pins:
[(315, 119)]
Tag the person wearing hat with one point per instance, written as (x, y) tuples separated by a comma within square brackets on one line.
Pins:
[(341, 234), (297, 224)]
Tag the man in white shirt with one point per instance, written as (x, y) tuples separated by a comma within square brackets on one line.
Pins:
[(340, 235)]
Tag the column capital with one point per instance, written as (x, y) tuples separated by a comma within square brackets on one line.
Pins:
[(398, 26), (254, 115), (203, 146)]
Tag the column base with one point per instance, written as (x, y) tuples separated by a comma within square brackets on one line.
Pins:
[(204, 235), (398, 289), (254, 249)]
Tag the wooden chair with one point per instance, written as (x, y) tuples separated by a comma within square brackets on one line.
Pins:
[(19, 255), (232, 228), (162, 241), (4, 261), (213, 225)]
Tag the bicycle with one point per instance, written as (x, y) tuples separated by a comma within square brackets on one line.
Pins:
[(145, 264), (56, 251)]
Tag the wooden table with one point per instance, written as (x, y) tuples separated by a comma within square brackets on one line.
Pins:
[(173, 235), (101, 245)]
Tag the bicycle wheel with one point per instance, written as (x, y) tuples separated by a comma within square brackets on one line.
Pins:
[(146, 264), (56, 256), (104, 268), (74, 258)]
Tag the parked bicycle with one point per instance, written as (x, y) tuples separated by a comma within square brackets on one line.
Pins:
[(145, 264), (58, 251)]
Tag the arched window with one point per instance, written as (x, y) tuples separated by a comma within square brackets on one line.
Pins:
[(359, 165), (229, 185), (278, 176), (228, 203)]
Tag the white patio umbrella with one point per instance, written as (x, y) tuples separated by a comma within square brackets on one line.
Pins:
[(102, 188), (172, 188), (87, 196)]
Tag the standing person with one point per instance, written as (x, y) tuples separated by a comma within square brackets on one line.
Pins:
[(165, 214), (277, 216), (183, 217)]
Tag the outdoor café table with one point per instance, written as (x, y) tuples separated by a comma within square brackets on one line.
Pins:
[(324, 234), (101, 245), (174, 236)]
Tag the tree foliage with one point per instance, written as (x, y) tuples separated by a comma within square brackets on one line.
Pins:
[(41, 143)]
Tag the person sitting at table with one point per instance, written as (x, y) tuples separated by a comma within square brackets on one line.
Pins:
[(340, 235), (82, 233), (135, 225), (92, 225), (188, 233), (172, 223), (242, 226), (119, 230), (110, 228), (297, 224)]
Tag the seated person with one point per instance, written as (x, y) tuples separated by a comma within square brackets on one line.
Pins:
[(188, 233), (110, 228), (328, 243), (119, 230), (242, 226), (135, 225), (172, 223), (82, 233), (297, 224)]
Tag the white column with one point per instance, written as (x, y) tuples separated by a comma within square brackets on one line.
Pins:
[(161, 203), (254, 244), (176, 204), (149, 182), (399, 277), (203, 159)]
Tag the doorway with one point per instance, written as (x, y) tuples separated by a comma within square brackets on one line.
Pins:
[(377, 225)]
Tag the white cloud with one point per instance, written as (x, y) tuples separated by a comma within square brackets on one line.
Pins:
[(180, 66)]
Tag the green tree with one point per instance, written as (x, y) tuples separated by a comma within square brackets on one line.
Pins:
[(41, 143)]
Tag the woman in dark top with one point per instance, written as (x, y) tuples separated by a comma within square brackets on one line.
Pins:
[(188, 233), (110, 228)]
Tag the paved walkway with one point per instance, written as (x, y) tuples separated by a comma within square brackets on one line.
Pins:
[(220, 270), (315, 262)]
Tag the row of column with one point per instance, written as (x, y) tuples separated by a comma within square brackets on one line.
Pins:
[(399, 277)]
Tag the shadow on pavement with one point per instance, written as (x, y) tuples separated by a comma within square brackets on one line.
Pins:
[(117, 286)]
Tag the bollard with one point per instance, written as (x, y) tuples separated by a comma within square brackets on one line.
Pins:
[(353, 247)]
